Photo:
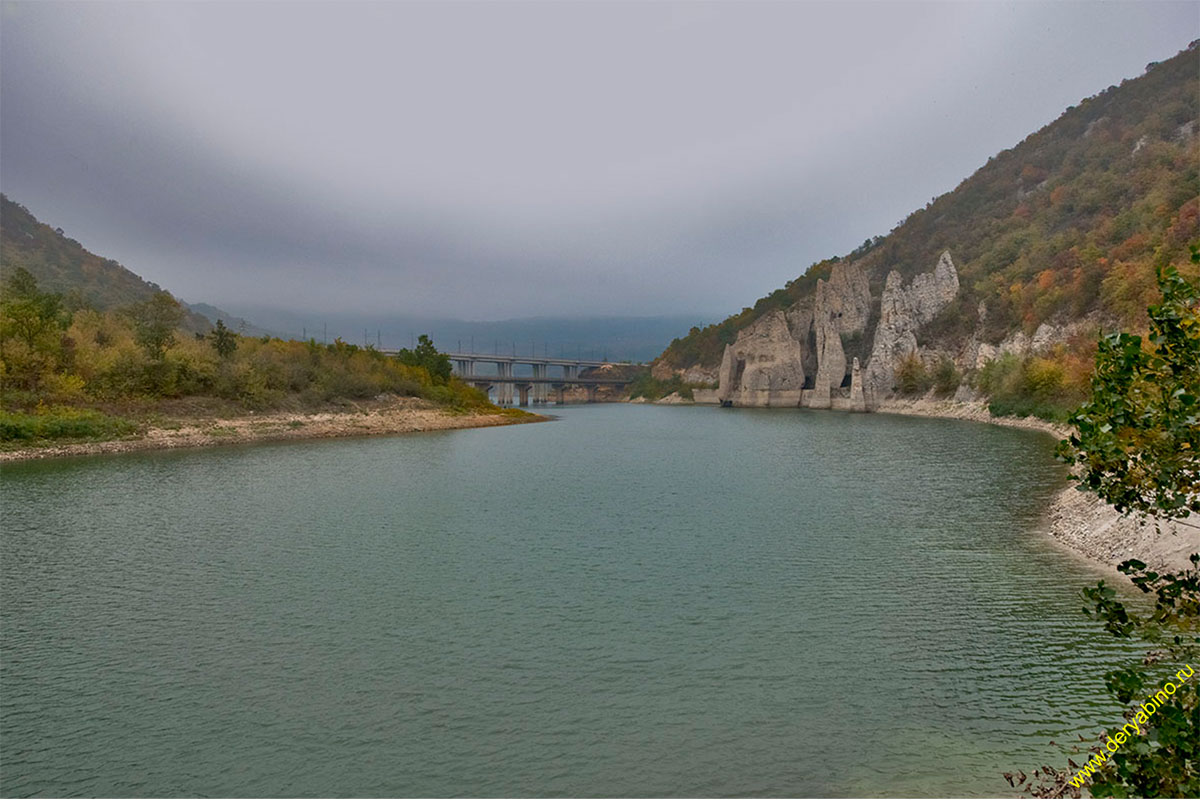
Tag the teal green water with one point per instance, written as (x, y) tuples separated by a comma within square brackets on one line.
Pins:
[(627, 601)]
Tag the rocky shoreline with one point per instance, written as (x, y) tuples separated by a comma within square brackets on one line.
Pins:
[(402, 416), (1079, 520), (1082, 523)]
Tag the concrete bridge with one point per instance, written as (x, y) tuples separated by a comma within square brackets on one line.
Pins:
[(536, 389)]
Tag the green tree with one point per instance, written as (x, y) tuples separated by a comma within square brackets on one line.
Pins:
[(425, 355), (1165, 760), (28, 313), (1138, 437), (1136, 447), (224, 341), (31, 329), (911, 376), (154, 324)]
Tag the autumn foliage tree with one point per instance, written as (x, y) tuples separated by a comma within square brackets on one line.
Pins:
[(1138, 436), (1137, 446)]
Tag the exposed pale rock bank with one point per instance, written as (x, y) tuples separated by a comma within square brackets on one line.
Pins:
[(1080, 520), (400, 415)]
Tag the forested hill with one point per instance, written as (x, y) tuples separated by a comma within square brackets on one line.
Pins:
[(1068, 224), (64, 266)]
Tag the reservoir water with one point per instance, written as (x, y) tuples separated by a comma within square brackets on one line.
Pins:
[(626, 601)]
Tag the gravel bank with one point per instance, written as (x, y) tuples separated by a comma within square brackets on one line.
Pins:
[(405, 415), (1079, 520)]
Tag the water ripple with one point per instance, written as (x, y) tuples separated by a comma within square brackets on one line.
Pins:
[(632, 601)]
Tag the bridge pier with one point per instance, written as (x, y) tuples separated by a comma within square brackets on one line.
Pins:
[(560, 394), (539, 389), (523, 388), (504, 388), (591, 393)]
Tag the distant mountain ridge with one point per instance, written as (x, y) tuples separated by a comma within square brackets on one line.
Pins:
[(63, 265), (616, 338)]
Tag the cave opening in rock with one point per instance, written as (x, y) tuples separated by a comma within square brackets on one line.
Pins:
[(846, 381)]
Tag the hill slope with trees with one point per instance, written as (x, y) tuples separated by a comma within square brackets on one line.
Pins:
[(1068, 226), (63, 266), (89, 350)]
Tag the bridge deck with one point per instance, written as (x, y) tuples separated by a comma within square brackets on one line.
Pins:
[(489, 358), (531, 380)]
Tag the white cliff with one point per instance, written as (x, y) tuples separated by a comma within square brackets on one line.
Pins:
[(902, 312), (763, 366), (842, 306)]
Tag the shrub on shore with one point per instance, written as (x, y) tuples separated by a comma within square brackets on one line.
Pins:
[(87, 358), (62, 423), (1032, 386), (651, 388)]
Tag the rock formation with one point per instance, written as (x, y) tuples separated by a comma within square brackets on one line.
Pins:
[(841, 307), (768, 362), (763, 366), (902, 311), (858, 400)]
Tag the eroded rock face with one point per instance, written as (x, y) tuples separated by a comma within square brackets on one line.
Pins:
[(846, 297), (768, 363), (694, 374), (800, 320), (903, 310), (841, 306), (662, 371), (858, 399), (763, 367), (700, 374)]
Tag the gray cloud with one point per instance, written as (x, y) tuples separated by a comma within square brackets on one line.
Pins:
[(507, 159)]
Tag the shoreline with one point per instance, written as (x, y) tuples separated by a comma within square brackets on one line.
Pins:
[(1079, 521), (405, 415)]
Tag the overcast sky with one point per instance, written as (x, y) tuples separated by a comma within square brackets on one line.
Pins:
[(512, 159)]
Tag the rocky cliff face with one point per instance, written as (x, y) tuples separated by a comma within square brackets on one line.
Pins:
[(842, 307), (902, 312), (763, 367), (799, 357)]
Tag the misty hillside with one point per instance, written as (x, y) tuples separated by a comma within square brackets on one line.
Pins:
[(1067, 225), (233, 322), (64, 266), (636, 339)]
